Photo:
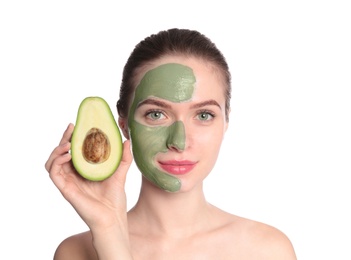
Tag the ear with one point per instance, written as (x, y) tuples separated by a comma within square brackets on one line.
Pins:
[(123, 124), (226, 126), (227, 122)]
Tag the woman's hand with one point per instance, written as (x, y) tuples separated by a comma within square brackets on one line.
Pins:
[(100, 204)]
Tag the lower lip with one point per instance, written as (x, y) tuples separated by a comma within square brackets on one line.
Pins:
[(177, 169)]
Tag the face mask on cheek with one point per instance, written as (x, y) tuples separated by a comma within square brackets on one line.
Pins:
[(173, 82), (146, 143)]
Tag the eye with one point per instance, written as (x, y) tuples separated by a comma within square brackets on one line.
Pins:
[(205, 116), (155, 115)]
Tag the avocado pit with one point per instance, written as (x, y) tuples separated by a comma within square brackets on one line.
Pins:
[(96, 146)]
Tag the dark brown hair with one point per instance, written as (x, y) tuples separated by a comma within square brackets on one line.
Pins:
[(171, 42)]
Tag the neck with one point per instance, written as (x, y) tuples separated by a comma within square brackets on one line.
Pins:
[(174, 214)]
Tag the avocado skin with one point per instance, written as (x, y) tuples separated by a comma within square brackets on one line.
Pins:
[(95, 113)]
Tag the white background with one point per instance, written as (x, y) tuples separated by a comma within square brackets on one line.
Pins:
[(286, 155)]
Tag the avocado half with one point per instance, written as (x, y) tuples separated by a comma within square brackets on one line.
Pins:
[(96, 144)]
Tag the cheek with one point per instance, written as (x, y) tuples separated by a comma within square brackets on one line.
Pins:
[(147, 141), (206, 135), (207, 142)]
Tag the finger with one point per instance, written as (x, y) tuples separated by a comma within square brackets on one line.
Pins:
[(66, 137), (58, 151), (63, 146), (56, 171)]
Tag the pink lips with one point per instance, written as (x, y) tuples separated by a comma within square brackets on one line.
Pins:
[(177, 167)]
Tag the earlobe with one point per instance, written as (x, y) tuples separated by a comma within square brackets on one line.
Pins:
[(123, 125)]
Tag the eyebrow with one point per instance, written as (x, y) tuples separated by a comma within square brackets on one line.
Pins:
[(210, 102), (154, 102), (162, 104)]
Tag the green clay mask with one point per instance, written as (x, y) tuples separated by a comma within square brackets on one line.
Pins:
[(172, 82)]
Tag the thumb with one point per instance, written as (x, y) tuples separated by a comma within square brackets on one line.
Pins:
[(127, 158)]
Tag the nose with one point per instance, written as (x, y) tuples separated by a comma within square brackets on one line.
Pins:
[(176, 136)]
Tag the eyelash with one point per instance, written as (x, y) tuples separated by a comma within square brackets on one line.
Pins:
[(208, 113), (198, 114), (153, 111)]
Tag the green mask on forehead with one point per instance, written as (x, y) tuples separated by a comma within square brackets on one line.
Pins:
[(172, 82)]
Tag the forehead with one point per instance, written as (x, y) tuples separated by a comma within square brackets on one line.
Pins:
[(171, 81), (205, 73), (195, 63), (208, 84)]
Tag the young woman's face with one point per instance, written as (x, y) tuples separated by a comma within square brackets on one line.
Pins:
[(177, 122)]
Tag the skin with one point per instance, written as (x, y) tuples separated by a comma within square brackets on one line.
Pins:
[(165, 225), (173, 82)]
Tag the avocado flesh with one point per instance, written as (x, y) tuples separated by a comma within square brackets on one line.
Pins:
[(96, 144)]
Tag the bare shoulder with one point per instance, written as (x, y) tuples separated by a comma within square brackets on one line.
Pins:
[(76, 247), (256, 240), (271, 243)]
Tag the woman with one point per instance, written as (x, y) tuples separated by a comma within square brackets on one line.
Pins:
[(174, 104)]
